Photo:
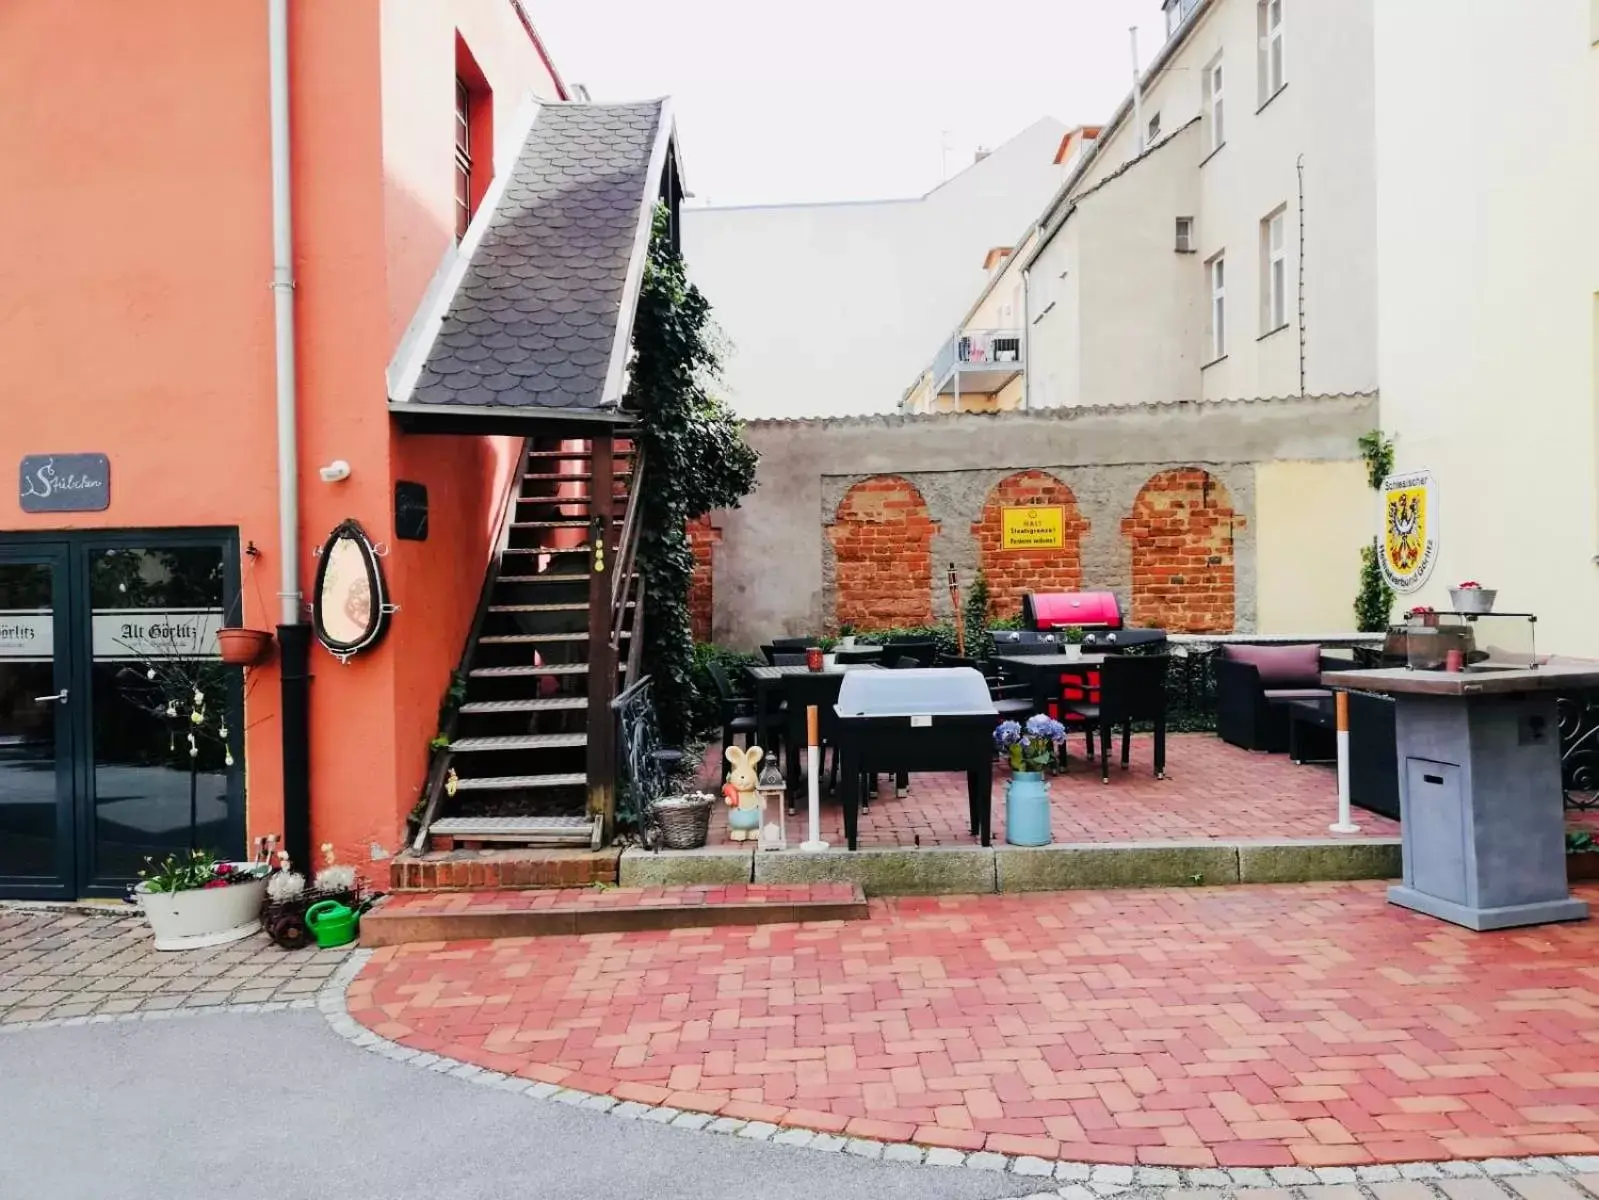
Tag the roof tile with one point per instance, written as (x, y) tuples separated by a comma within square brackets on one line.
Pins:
[(537, 312)]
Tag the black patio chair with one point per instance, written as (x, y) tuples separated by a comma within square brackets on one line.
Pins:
[(1013, 701), (739, 716), (779, 659), (855, 656), (1130, 689)]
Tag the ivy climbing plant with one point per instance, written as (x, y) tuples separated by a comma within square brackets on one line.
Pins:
[(1374, 601), (695, 460)]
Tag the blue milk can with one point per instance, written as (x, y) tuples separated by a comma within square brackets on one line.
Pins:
[(1027, 809)]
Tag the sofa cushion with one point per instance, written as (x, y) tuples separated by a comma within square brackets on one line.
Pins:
[(1279, 694), (1290, 666)]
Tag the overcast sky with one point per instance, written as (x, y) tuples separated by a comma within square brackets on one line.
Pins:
[(848, 99)]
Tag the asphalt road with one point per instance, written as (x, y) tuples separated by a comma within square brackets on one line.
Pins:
[(276, 1106)]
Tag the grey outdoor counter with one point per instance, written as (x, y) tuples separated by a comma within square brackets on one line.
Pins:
[(1481, 805)]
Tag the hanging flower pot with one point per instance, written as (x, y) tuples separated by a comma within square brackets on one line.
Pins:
[(243, 647)]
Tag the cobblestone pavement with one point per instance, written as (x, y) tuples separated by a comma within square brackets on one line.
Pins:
[(57, 964)]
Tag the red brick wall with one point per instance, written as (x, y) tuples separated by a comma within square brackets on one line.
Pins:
[(882, 542), (1012, 572), (702, 539), (1181, 530)]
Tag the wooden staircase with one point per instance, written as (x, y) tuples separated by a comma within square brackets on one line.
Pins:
[(531, 754)]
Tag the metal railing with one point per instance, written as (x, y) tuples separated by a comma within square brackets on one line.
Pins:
[(980, 349)]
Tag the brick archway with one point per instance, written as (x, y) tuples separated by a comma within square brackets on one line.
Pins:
[(1012, 572), (882, 541), (1181, 532)]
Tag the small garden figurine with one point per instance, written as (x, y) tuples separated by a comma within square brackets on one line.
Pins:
[(741, 791)]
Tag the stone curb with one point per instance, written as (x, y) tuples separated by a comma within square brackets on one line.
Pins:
[(1061, 866), (1084, 1181)]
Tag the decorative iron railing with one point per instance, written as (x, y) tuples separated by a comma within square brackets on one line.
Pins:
[(1579, 749), (641, 766)]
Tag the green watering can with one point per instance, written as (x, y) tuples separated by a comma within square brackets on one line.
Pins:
[(332, 923)]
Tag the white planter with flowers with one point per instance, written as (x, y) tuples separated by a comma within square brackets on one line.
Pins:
[(195, 900)]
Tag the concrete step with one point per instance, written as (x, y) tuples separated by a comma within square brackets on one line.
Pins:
[(458, 915)]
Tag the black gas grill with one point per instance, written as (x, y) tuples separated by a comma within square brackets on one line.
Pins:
[(915, 720)]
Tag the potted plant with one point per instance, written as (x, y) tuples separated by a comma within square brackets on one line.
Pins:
[(1472, 597), (846, 636), (1582, 856), (194, 899), (1030, 750), (1425, 613), (1072, 642)]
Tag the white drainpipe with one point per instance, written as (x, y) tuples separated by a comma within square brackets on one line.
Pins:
[(283, 315)]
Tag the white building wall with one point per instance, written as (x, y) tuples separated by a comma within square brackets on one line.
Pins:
[(832, 309), (1488, 293), (1324, 116)]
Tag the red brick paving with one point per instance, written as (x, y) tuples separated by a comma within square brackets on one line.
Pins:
[(1211, 791), (1311, 1024), (690, 896)]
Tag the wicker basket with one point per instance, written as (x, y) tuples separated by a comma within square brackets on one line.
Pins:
[(685, 821)]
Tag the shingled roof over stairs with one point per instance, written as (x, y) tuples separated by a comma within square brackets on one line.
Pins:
[(536, 319)]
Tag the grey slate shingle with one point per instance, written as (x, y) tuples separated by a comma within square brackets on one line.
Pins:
[(534, 319)]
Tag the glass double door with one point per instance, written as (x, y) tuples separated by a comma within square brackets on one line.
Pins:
[(121, 732)]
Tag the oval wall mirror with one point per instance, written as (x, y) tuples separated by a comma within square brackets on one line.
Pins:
[(349, 610)]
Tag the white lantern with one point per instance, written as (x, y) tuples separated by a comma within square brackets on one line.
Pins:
[(773, 804)]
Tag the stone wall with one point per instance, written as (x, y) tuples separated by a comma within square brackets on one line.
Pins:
[(858, 519)]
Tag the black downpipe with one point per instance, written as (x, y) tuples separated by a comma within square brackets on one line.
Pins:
[(294, 646)]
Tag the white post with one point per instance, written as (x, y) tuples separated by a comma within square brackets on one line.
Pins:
[(1343, 824), (813, 771)]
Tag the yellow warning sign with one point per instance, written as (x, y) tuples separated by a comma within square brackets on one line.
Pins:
[(1033, 527)]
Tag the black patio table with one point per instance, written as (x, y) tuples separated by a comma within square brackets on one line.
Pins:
[(929, 719), (801, 688)]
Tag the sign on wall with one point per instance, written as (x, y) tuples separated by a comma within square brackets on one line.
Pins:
[(155, 633), (1032, 527), (1409, 530), (27, 635), (65, 483)]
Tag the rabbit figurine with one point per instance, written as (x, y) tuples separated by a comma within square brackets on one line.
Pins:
[(744, 822)]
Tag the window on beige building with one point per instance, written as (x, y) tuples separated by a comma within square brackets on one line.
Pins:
[(1216, 273), (1214, 105), (1274, 272), (1270, 22), (1185, 235)]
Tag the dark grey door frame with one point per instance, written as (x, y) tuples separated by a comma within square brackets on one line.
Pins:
[(73, 670)]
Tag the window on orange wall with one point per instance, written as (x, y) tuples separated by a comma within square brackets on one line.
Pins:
[(463, 157), (474, 136)]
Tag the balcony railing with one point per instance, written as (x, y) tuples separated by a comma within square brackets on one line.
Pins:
[(979, 360)]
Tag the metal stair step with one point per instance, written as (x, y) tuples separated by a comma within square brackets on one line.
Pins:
[(542, 579), (583, 549), (533, 608), (573, 523), (511, 783), (520, 741), (576, 831), (543, 704), (575, 475), (524, 639), (515, 672)]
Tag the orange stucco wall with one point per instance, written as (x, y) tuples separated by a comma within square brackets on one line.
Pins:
[(136, 319)]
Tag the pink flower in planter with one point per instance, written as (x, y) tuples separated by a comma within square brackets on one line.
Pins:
[(1470, 583), (215, 883)]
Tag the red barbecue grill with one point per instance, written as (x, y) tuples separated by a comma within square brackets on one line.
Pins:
[(1053, 611)]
